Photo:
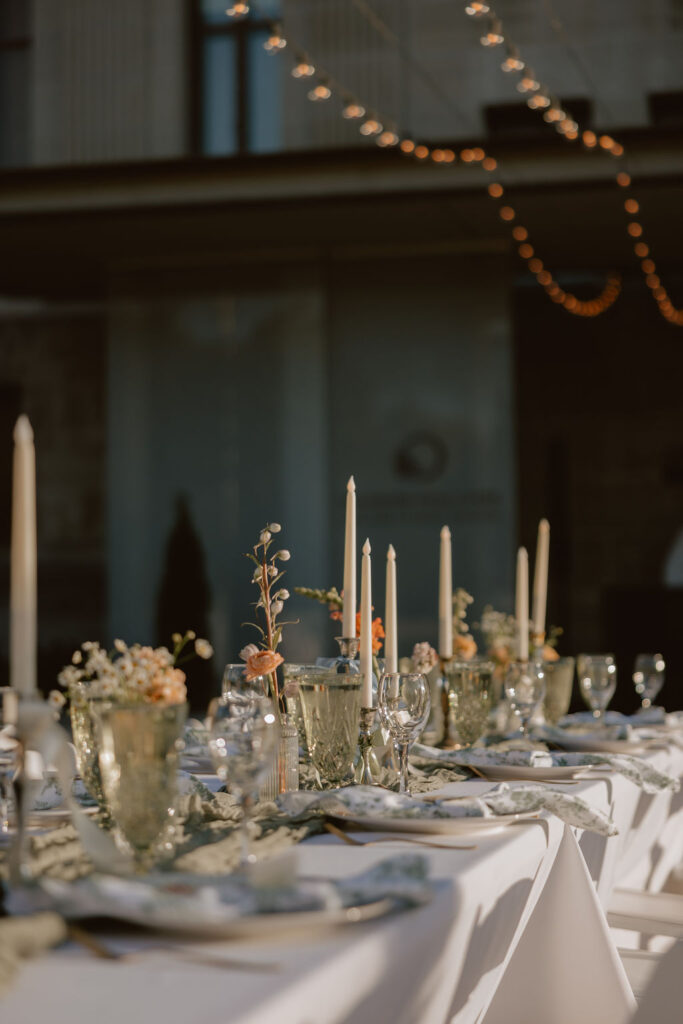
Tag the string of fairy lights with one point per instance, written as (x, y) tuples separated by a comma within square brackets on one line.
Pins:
[(541, 98), (322, 86)]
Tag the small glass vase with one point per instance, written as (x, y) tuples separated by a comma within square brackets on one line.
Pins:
[(83, 727), (559, 679), (284, 775)]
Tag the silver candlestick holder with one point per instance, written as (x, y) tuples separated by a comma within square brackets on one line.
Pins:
[(367, 768)]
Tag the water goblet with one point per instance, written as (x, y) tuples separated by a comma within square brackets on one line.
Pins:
[(648, 677), (139, 750), (243, 741), (525, 689), (330, 708), (403, 702), (597, 681)]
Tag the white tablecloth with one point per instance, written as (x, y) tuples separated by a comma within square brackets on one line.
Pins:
[(515, 933)]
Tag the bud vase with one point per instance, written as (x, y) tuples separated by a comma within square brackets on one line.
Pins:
[(284, 775)]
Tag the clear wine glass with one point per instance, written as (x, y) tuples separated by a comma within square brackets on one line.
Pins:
[(403, 705), (648, 677), (597, 681), (525, 689), (243, 742)]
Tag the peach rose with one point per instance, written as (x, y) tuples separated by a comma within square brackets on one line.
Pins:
[(464, 646), (262, 664)]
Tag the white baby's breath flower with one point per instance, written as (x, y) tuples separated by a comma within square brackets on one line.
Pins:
[(274, 527), (248, 652), (76, 657), (56, 700), (264, 536), (120, 645), (203, 648), (276, 607), (190, 634), (283, 555), (176, 638)]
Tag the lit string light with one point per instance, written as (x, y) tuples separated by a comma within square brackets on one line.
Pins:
[(566, 125), (386, 134)]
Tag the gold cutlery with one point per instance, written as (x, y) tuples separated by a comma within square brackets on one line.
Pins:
[(345, 837)]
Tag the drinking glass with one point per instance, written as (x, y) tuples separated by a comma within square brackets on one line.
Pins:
[(243, 741), (525, 688), (83, 711), (139, 749), (648, 677), (559, 678), (597, 681), (235, 678), (403, 703), (330, 707), (9, 709), (468, 691)]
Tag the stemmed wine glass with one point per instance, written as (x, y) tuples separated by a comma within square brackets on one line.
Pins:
[(648, 677), (243, 742), (597, 681), (525, 689), (403, 703)]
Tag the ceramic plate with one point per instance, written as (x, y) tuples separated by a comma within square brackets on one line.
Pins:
[(588, 742), (532, 773), (435, 826)]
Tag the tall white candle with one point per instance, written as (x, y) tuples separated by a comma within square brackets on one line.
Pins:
[(366, 628), (445, 596), (522, 604), (349, 619), (390, 615), (23, 562), (540, 593)]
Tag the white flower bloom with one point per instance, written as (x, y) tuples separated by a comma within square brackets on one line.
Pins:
[(283, 555), (76, 657), (56, 700), (176, 638), (203, 648), (120, 645), (264, 536), (190, 634), (272, 571), (282, 595), (248, 652), (258, 572), (274, 527), (276, 607)]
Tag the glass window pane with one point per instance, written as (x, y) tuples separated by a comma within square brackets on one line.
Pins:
[(264, 85), (220, 96)]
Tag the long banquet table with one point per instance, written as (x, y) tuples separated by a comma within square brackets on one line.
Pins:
[(515, 933)]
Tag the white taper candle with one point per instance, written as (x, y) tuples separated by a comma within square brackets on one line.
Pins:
[(522, 604), (366, 627), (349, 615), (445, 596), (23, 562), (390, 615), (540, 593)]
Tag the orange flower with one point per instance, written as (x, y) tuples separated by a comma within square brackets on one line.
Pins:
[(377, 633), (549, 653), (337, 615), (464, 646), (262, 664)]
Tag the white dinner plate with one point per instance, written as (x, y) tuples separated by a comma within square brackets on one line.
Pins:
[(589, 743), (533, 773), (464, 826)]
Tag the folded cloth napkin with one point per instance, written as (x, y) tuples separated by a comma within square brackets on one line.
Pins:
[(371, 801), (635, 769), (23, 937), (194, 902)]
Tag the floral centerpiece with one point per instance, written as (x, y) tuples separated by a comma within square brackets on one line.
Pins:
[(129, 675), (500, 636), (264, 659), (335, 603)]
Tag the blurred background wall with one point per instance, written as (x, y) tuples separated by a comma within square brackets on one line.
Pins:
[(218, 301)]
